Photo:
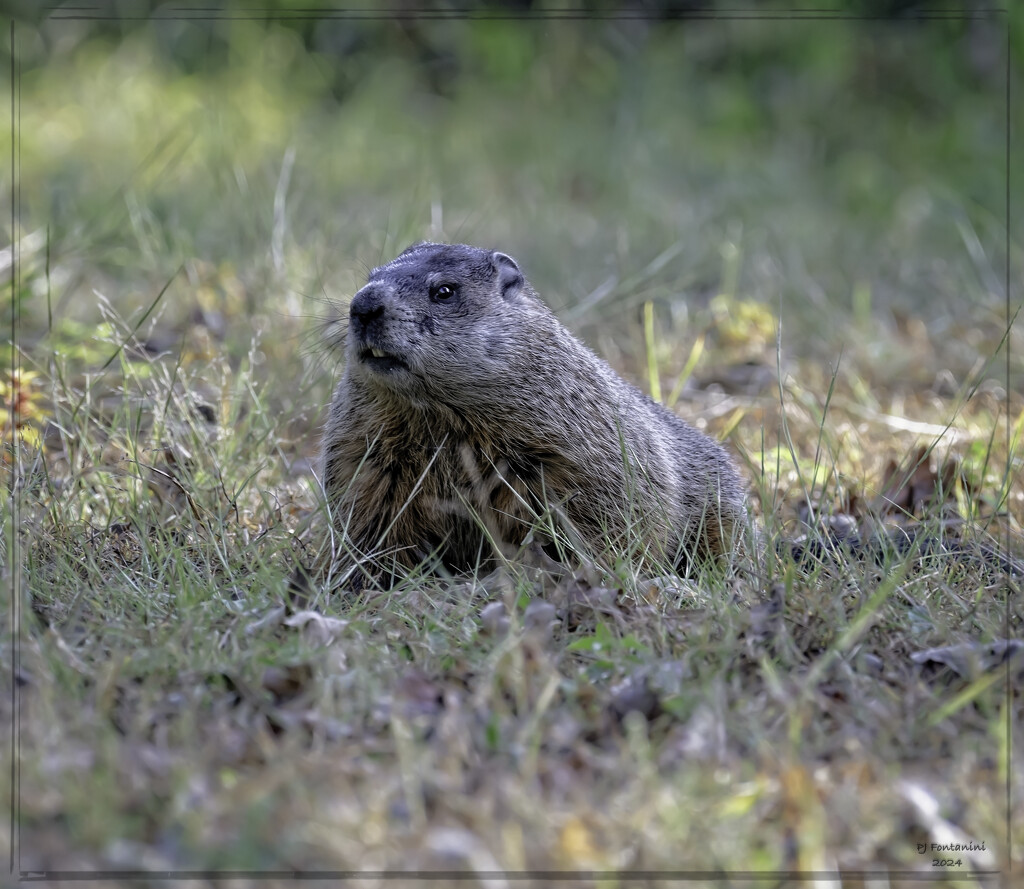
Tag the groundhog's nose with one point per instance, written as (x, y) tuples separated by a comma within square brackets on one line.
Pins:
[(367, 305)]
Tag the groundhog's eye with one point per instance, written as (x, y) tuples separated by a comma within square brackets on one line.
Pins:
[(442, 292)]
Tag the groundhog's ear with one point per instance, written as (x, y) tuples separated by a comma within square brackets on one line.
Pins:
[(510, 279)]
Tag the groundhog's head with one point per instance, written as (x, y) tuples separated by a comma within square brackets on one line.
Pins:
[(438, 315)]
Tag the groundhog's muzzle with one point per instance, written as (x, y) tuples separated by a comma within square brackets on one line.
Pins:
[(368, 324)]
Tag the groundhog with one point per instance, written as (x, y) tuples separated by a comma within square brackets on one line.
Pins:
[(466, 411)]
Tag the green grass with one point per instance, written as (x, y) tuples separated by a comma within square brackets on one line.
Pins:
[(829, 307)]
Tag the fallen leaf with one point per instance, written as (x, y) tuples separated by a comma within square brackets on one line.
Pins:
[(317, 628)]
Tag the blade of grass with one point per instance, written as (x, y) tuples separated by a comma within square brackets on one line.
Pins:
[(652, 357), (152, 306), (691, 362), (860, 624), (965, 697)]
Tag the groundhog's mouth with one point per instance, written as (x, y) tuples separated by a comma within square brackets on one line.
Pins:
[(381, 361)]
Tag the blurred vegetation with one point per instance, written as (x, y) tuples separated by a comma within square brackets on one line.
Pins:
[(857, 167)]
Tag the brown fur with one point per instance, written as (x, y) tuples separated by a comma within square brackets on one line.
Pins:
[(480, 404)]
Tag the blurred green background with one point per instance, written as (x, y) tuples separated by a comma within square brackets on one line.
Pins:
[(847, 173)]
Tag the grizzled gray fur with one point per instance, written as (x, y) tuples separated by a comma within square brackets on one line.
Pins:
[(465, 401)]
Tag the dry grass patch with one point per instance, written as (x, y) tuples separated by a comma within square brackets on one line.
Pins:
[(787, 714)]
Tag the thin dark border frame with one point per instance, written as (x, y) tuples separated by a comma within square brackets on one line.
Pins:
[(80, 13)]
